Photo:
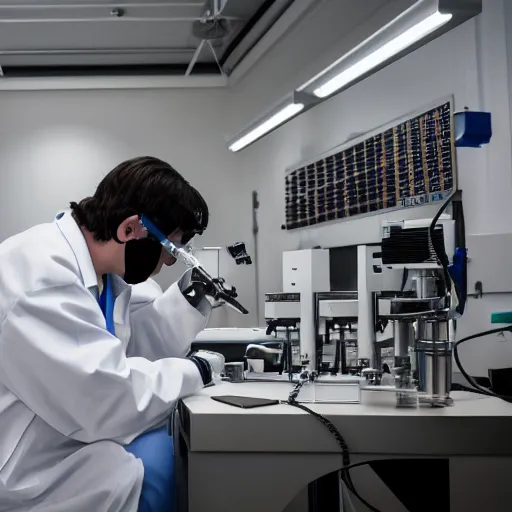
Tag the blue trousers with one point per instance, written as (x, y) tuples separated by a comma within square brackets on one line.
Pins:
[(155, 450)]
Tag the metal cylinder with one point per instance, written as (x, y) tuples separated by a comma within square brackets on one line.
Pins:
[(404, 338), (430, 331), (434, 360), (436, 375)]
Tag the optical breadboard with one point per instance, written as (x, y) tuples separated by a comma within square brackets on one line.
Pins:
[(409, 164)]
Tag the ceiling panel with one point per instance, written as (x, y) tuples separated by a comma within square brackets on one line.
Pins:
[(86, 36), (99, 32), (96, 12)]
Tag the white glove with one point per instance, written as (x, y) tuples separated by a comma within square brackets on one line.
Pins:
[(215, 360)]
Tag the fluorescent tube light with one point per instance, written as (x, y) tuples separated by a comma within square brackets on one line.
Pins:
[(382, 54), (383, 38), (264, 127)]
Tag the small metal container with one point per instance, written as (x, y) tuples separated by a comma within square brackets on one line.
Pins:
[(234, 371)]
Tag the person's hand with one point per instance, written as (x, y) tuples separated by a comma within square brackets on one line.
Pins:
[(210, 365), (215, 360), (195, 292)]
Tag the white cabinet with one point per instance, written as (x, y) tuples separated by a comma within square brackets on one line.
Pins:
[(306, 271)]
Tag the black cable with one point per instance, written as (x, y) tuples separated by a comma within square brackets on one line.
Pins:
[(345, 474), (460, 224), (330, 427), (468, 377), (442, 257), (347, 478), (405, 276)]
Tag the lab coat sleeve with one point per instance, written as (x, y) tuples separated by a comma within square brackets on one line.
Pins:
[(56, 357), (162, 324)]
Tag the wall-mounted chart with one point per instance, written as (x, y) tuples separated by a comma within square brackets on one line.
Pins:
[(409, 164)]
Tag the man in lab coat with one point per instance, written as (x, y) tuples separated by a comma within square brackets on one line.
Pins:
[(81, 375)]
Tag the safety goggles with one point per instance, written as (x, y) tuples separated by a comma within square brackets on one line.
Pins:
[(174, 248)]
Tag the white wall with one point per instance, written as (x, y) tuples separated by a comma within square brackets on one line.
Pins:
[(470, 63), (56, 146)]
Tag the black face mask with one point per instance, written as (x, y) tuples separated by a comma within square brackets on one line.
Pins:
[(141, 258)]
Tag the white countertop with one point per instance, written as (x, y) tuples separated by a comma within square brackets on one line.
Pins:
[(465, 403), (474, 425)]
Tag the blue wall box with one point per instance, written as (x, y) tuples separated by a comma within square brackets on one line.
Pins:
[(472, 129)]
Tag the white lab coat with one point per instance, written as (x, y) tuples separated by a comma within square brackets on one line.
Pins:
[(71, 394)]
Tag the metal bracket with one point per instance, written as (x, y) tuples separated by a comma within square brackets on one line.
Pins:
[(117, 13)]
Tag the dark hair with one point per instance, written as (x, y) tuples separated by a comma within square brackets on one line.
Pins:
[(143, 185)]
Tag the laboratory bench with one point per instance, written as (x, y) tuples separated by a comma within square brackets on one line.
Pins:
[(449, 459)]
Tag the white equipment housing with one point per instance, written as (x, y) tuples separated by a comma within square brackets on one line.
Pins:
[(305, 273)]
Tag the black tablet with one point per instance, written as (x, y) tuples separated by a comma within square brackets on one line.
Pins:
[(244, 402)]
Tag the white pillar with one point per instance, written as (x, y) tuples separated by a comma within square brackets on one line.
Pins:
[(306, 272), (365, 327)]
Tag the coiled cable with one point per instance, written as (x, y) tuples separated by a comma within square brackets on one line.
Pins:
[(345, 454)]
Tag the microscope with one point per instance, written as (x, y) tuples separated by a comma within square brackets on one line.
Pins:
[(421, 310)]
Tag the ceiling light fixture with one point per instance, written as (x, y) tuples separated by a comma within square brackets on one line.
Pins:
[(284, 111), (424, 21), (417, 25), (384, 53)]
